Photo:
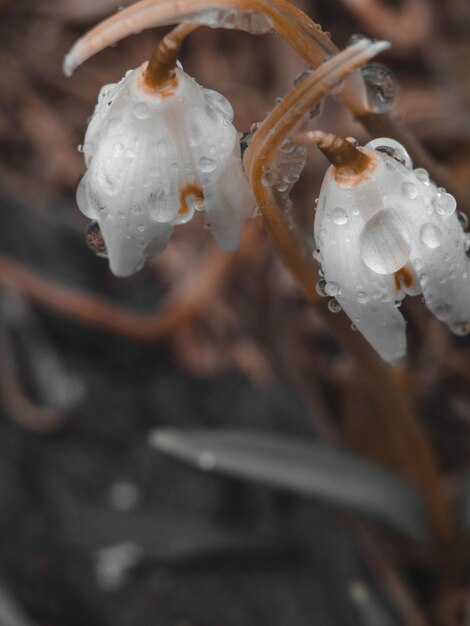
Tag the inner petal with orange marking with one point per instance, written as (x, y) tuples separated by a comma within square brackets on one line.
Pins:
[(187, 191)]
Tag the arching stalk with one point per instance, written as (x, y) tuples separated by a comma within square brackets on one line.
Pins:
[(306, 37), (413, 455)]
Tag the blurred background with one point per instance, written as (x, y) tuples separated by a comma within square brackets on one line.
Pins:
[(98, 528)]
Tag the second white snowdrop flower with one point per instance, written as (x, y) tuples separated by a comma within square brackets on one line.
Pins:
[(385, 232), (156, 156)]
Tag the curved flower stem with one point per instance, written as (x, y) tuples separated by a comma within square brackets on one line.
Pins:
[(279, 15), (306, 37), (413, 455), (161, 66), (339, 151)]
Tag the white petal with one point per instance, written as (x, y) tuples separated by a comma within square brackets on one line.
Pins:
[(230, 204), (437, 245), (127, 249), (150, 157), (368, 298)]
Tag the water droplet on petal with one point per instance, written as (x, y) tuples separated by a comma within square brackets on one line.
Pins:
[(141, 111), (463, 219), (137, 210), (443, 311), (362, 297), (339, 216), (382, 247), (466, 244), (461, 328), (206, 164), (94, 240), (444, 204), (334, 305), (423, 279), (422, 175), (316, 255), (409, 190), (430, 235), (321, 287), (331, 289), (392, 148)]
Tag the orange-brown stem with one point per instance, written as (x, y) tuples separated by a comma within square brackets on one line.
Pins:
[(161, 67), (414, 456), (339, 151)]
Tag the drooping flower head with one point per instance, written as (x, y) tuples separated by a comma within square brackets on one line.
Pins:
[(386, 231), (156, 156)]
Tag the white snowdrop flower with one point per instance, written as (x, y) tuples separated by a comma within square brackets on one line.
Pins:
[(386, 232), (153, 158)]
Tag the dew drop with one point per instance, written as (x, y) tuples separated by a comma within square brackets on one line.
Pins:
[(383, 249), (334, 305), (316, 255), (422, 175), (331, 289), (137, 210), (117, 149), (443, 311), (466, 244), (141, 111), (392, 148), (269, 179), (461, 328), (94, 240), (409, 190), (430, 235), (362, 297), (382, 86), (339, 216), (320, 287), (300, 77), (287, 145), (206, 164), (423, 279), (463, 219), (444, 204), (291, 177)]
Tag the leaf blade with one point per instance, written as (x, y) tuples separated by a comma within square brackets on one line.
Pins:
[(311, 469)]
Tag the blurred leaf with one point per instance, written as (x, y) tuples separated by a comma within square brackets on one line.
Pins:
[(463, 505), (313, 469), (11, 614), (371, 610)]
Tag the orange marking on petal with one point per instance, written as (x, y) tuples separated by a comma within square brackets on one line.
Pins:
[(403, 277), (190, 189)]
